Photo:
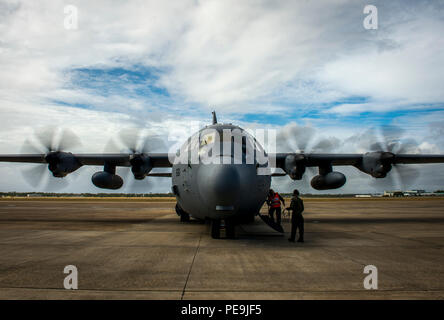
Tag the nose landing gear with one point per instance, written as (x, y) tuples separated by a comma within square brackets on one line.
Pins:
[(230, 228), (215, 229)]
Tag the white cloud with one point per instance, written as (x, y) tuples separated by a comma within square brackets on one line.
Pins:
[(401, 65), (267, 57), (231, 54)]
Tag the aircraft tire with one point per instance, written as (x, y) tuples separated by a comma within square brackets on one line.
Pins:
[(178, 209), (230, 229), (215, 229), (184, 217)]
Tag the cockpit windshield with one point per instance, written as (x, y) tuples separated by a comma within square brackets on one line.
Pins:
[(227, 141)]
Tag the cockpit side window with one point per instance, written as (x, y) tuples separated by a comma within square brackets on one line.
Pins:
[(208, 138)]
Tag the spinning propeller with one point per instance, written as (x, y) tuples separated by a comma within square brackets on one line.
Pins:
[(52, 143), (304, 140), (389, 144), (139, 146)]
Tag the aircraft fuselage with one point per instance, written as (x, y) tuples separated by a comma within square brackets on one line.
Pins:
[(221, 189)]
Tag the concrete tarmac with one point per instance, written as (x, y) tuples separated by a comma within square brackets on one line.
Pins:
[(140, 250)]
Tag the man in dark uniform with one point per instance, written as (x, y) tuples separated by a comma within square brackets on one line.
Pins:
[(297, 220), (274, 202)]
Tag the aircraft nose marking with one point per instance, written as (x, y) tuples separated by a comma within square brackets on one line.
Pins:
[(224, 208)]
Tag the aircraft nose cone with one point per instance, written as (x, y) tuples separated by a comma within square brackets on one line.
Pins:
[(219, 185), (226, 182)]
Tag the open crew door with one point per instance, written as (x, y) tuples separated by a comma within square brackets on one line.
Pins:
[(271, 223)]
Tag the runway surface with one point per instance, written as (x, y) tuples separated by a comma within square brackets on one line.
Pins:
[(140, 250)]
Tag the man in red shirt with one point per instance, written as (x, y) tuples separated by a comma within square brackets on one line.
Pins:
[(274, 203)]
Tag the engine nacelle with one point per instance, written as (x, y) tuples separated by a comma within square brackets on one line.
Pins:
[(140, 166), (62, 163), (331, 180), (106, 180), (376, 164), (295, 166)]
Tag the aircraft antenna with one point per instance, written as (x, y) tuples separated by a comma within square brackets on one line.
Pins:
[(214, 117)]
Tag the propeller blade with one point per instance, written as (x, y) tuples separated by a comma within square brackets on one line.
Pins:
[(377, 146), (400, 177), (326, 145), (30, 147), (151, 144), (407, 146), (68, 140), (34, 176), (302, 136), (50, 139), (132, 140), (387, 183), (44, 141), (391, 133), (140, 186), (133, 185), (112, 147), (296, 138), (407, 175), (47, 138), (394, 141), (40, 177), (310, 172), (55, 184)]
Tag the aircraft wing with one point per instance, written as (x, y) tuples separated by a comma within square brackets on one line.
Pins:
[(377, 164), (29, 158), (158, 160), (319, 159), (63, 163), (418, 158)]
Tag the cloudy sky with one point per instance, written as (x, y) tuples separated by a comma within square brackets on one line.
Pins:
[(294, 66)]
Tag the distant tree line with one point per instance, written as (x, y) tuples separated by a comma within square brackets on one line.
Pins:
[(54, 194), (141, 195)]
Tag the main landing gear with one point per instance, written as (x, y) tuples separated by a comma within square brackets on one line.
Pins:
[(184, 217)]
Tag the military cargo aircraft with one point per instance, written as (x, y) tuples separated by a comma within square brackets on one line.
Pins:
[(221, 173)]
